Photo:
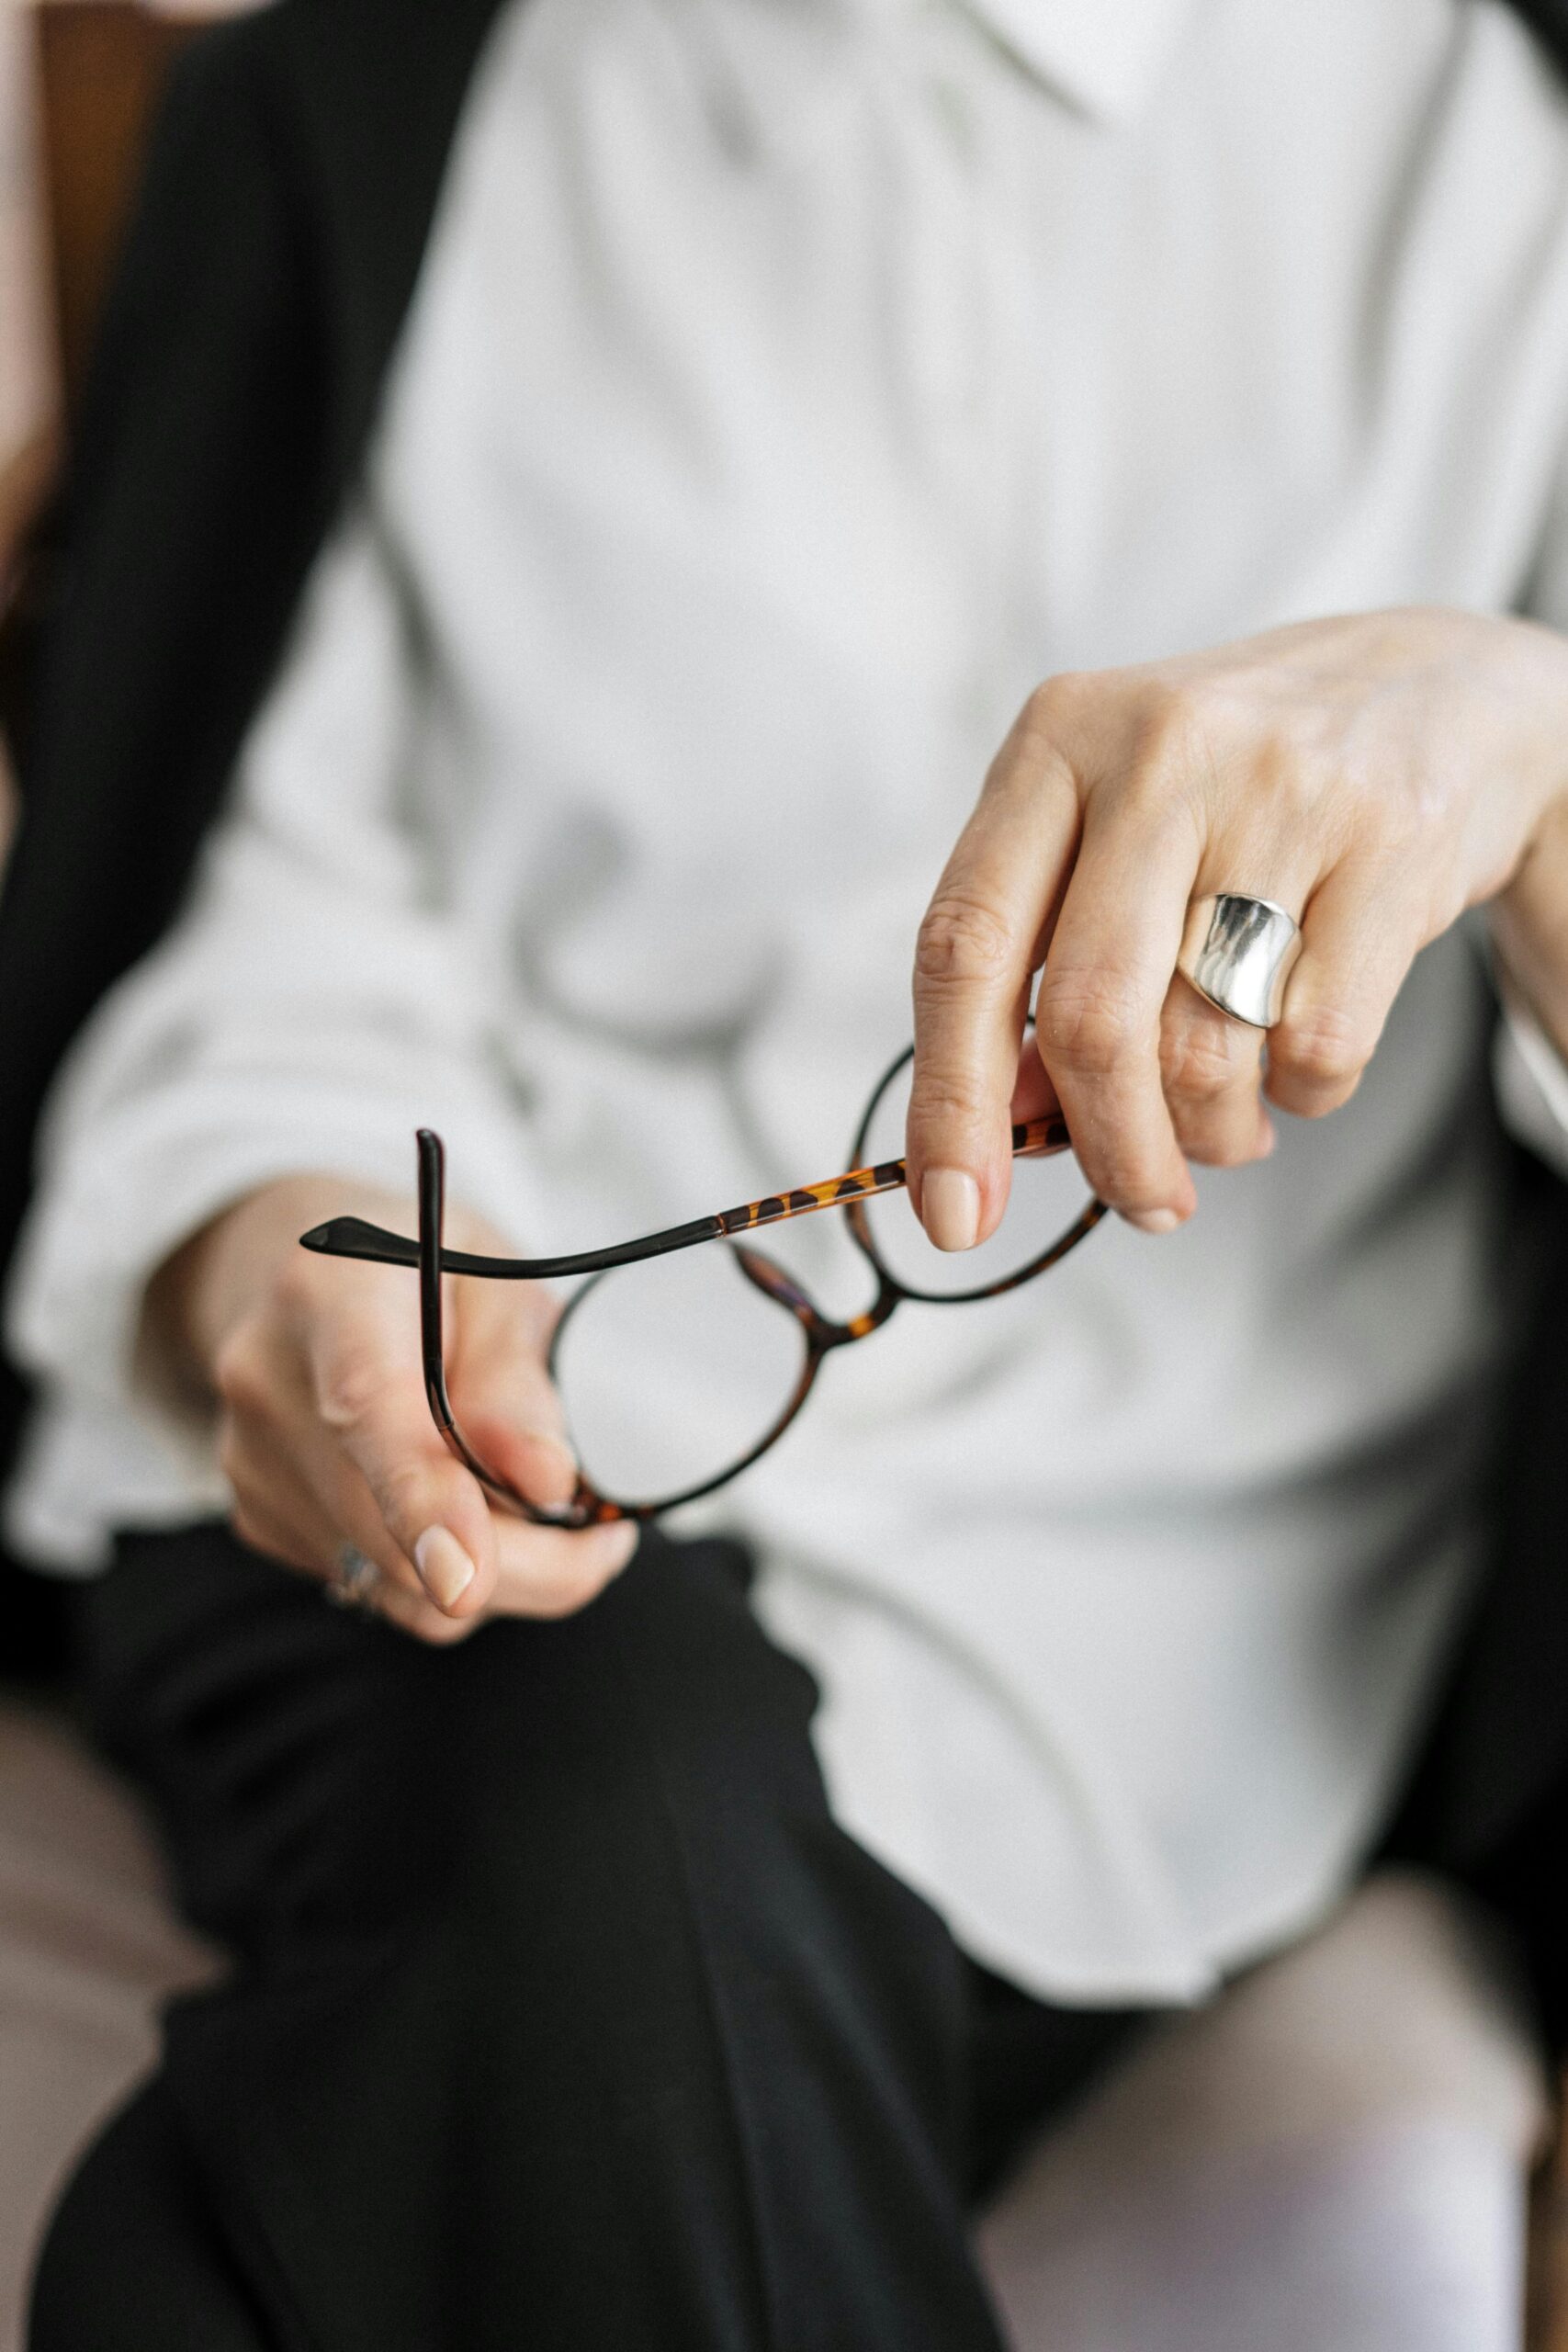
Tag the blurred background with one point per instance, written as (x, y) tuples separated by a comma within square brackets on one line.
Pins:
[(78, 80)]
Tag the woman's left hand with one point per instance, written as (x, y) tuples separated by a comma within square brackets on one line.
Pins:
[(1375, 775)]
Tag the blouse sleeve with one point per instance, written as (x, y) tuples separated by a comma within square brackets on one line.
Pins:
[(314, 1003)]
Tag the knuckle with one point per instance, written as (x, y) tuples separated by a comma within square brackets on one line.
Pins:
[(941, 1104), (1312, 788), (1173, 731), (1128, 1181), (1286, 780), (961, 942), (1052, 705), (1392, 823), (1088, 1021), (1322, 1047), (241, 1371), (351, 1385), (403, 1490), (1202, 1061), (297, 1287)]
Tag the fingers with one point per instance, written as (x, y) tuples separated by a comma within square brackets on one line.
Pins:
[(299, 1496), (1103, 996), (501, 1391), (300, 1503), (1145, 1072), (975, 959), (553, 1571), (1306, 767), (557, 1574), (468, 1554), (269, 1521), (506, 1402), (1033, 1096), (327, 1438), (1210, 1072), (264, 1520), (420, 1617), (1361, 935)]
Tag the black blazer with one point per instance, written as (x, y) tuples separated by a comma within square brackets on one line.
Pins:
[(268, 270)]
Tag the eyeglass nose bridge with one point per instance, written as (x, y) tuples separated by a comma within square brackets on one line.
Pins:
[(765, 1273), (823, 1334)]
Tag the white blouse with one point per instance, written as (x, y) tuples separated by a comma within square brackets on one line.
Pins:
[(790, 385)]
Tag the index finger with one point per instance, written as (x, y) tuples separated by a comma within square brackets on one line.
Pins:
[(975, 958)]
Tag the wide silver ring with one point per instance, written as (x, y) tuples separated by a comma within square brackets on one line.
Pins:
[(354, 1580), (1238, 952)]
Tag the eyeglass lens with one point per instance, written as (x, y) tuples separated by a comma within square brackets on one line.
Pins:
[(1048, 1195), (672, 1374)]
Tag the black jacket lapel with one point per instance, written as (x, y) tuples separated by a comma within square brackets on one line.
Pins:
[(276, 241)]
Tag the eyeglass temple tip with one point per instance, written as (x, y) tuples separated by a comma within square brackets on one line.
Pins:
[(352, 1237)]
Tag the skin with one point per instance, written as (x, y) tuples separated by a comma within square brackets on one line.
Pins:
[(1380, 773), (323, 1432), (1377, 774)]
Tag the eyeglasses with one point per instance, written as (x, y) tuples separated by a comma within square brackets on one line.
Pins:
[(738, 1339)]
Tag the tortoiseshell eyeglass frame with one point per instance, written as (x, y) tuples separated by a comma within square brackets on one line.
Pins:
[(352, 1237)]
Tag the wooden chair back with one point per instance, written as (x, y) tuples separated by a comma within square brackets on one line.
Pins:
[(101, 65)]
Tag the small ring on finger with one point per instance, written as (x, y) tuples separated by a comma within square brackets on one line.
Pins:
[(355, 1579), (1239, 952)]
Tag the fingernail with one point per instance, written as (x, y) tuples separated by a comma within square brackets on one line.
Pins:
[(950, 1207), (1153, 1220), (444, 1569)]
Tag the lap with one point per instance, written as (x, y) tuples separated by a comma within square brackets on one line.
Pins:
[(557, 1924), (560, 1991), (317, 1771)]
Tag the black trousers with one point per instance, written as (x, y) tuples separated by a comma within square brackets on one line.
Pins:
[(564, 2014)]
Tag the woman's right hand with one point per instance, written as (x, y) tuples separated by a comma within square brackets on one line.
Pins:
[(324, 1435)]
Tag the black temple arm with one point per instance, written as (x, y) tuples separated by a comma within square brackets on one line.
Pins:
[(352, 1237)]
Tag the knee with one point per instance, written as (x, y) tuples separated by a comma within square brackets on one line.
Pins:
[(508, 1774), (664, 1698), (1409, 2233)]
